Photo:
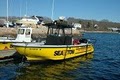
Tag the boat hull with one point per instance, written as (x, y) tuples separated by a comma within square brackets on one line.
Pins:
[(5, 45), (56, 52)]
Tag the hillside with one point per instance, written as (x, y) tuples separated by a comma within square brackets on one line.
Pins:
[(88, 25)]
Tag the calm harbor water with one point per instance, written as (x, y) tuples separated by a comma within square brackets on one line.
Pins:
[(104, 64)]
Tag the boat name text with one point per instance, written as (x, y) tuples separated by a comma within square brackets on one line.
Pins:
[(63, 52)]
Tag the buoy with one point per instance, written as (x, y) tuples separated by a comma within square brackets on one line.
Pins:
[(76, 42)]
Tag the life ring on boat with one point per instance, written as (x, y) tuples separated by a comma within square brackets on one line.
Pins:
[(76, 41)]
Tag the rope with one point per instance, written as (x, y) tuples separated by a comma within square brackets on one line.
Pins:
[(86, 48), (65, 52), (24, 52)]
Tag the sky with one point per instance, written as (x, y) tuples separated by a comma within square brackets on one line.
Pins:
[(83, 9)]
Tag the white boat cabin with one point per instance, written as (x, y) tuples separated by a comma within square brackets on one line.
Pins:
[(23, 35)]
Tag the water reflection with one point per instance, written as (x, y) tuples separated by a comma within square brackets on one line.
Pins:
[(52, 69)]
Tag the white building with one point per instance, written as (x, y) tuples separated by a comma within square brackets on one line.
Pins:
[(77, 25)]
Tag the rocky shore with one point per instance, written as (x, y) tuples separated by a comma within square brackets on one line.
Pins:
[(40, 31)]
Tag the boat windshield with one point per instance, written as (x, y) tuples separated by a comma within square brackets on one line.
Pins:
[(21, 31), (33, 18), (27, 32), (60, 32)]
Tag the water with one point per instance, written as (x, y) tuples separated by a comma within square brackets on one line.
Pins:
[(104, 64)]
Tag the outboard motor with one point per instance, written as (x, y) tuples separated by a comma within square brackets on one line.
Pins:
[(83, 40)]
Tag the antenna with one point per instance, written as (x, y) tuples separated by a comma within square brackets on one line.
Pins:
[(7, 14), (20, 9), (52, 9), (26, 8)]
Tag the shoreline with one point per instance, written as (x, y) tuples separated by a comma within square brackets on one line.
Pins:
[(43, 30), (98, 32)]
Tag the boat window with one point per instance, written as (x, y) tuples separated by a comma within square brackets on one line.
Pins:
[(27, 32), (21, 31), (33, 18), (56, 32), (67, 31)]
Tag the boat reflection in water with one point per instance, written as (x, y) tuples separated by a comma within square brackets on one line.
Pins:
[(63, 70)]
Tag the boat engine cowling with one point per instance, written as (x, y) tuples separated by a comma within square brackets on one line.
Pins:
[(83, 40)]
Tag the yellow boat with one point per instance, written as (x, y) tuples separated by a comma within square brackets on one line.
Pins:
[(52, 52), (23, 35), (59, 44), (5, 46), (6, 50)]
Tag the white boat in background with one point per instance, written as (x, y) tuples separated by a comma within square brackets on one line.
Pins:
[(28, 20), (23, 35)]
